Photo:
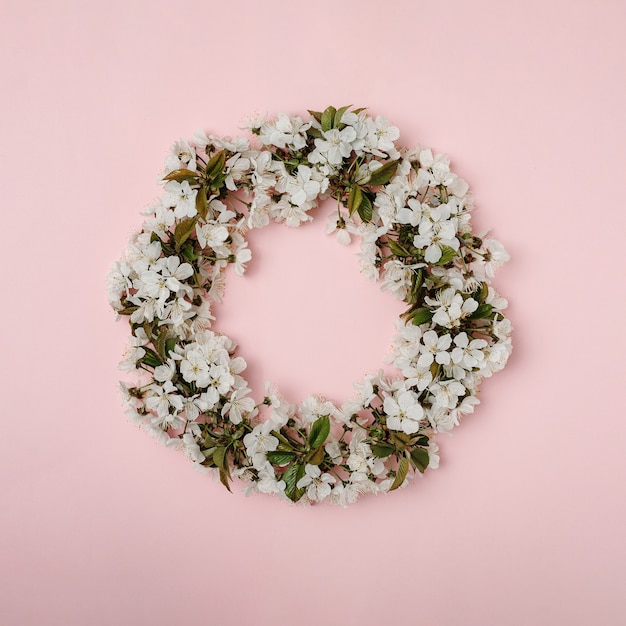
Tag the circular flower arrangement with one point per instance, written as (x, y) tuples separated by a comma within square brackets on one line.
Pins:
[(412, 215)]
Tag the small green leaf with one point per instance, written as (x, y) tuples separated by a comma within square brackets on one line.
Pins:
[(421, 316), (182, 175), (291, 477), (151, 358), (447, 254), (148, 327), (403, 468), (225, 478), (209, 442), (382, 450), (354, 199), (480, 295), (365, 209), (420, 459), (159, 343), (417, 279), (316, 133), (170, 344), (328, 117), (280, 458), (216, 164), (201, 203), (188, 253), (483, 311), (183, 229), (396, 249), (383, 174), (421, 440), (401, 437), (129, 310), (320, 429), (316, 456), (219, 457), (316, 115), (339, 115)]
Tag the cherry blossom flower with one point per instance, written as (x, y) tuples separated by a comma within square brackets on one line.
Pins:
[(182, 197), (318, 485), (404, 412), (336, 145)]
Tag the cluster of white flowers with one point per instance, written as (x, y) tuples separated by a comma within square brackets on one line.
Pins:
[(412, 216)]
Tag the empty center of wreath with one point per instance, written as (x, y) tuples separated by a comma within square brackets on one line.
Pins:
[(304, 316)]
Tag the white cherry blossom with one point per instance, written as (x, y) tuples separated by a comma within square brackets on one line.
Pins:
[(318, 485), (336, 145), (182, 197), (404, 412)]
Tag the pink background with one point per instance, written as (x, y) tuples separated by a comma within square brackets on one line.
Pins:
[(524, 521)]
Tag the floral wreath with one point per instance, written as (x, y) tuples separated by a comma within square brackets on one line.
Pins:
[(412, 215)]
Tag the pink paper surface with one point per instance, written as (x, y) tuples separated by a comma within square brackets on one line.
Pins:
[(524, 521)]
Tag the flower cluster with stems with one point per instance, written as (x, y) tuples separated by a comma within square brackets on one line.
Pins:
[(411, 214)]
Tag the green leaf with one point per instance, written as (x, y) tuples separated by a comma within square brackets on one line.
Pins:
[(447, 254), (421, 440), (328, 117), (151, 358), (403, 468), (225, 478), (382, 450), (354, 199), (365, 209), (182, 175), (201, 203), (316, 456), (316, 133), (396, 249), (420, 459), (339, 115), (188, 253), (129, 310), (320, 429), (291, 477), (219, 457), (148, 327), (170, 344), (417, 279), (401, 437), (216, 164), (383, 174), (316, 115), (421, 316), (159, 343), (480, 295), (280, 458), (483, 311), (183, 229)]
